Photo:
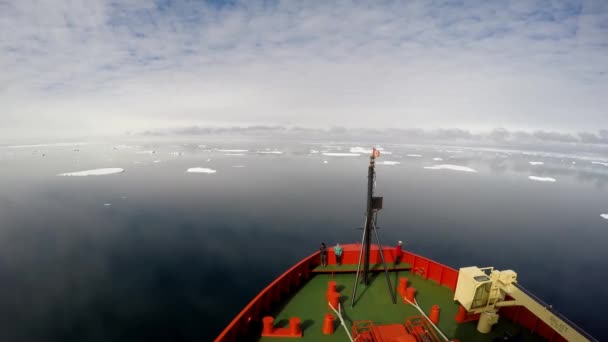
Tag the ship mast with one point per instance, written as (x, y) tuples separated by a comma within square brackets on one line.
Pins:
[(374, 204)]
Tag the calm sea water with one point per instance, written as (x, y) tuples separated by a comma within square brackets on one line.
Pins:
[(176, 255)]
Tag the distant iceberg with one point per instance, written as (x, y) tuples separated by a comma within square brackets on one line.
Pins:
[(414, 155), (389, 162), (437, 159), (536, 163), (238, 166), (604, 216), (335, 154), (599, 163), (542, 179), (325, 162), (95, 172), (200, 170), (450, 167)]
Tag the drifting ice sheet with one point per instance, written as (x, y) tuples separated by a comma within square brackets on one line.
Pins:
[(542, 179), (414, 155), (95, 172), (450, 167), (335, 154), (604, 216), (438, 159), (390, 162), (200, 170), (599, 163), (269, 152), (536, 163)]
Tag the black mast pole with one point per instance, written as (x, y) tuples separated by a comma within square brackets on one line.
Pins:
[(370, 215)]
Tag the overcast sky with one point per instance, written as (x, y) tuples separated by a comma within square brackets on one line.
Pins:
[(78, 67)]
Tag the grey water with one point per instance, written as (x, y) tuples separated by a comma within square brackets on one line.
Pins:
[(156, 253)]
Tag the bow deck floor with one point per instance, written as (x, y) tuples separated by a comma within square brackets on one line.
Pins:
[(373, 303)]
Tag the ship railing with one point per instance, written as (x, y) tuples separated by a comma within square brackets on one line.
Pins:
[(555, 312)]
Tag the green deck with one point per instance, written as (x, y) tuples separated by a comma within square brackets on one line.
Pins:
[(373, 303)]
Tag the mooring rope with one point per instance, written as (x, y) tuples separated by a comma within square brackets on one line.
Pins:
[(415, 304)]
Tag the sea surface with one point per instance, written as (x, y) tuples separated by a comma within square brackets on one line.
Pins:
[(157, 253)]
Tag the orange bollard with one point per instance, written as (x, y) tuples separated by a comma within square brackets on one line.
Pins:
[(294, 326), (328, 324), (334, 299), (331, 286), (410, 293), (434, 314), (402, 286), (267, 329), (461, 315)]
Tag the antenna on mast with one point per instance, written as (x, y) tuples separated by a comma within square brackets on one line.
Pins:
[(374, 204)]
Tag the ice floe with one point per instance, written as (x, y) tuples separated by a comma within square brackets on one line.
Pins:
[(536, 163), (238, 166), (438, 159), (450, 167), (325, 162), (200, 170), (340, 154), (234, 154), (389, 162), (413, 155), (147, 152), (604, 216), (107, 204), (599, 163), (364, 150), (95, 172), (177, 154), (542, 179), (157, 161), (313, 151), (269, 152)]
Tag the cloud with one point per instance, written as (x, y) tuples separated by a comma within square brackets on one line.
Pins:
[(102, 66)]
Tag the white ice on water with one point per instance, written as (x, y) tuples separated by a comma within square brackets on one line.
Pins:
[(542, 179), (599, 163), (156, 161), (604, 216), (269, 152), (107, 204), (414, 155), (200, 170), (238, 166), (313, 151), (450, 167), (438, 159), (325, 162), (389, 162), (536, 163), (147, 152), (95, 172), (234, 154), (337, 154)]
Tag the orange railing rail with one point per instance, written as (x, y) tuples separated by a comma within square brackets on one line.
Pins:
[(261, 305)]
